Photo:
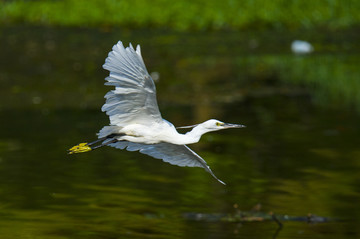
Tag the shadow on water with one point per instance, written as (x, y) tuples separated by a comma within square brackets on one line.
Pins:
[(298, 155)]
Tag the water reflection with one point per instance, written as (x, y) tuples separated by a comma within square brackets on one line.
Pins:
[(295, 157)]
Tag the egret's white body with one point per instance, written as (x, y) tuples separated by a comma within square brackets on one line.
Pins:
[(135, 120)]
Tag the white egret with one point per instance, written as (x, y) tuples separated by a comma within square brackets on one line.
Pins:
[(135, 120)]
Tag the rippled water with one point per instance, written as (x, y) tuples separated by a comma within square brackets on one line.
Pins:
[(297, 156)]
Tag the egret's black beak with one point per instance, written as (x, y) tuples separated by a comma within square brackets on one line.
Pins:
[(187, 127), (226, 125)]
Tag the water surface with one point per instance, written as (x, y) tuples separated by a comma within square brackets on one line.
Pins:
[(298, 155)]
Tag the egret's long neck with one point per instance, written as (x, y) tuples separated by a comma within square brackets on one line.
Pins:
[(194, 135)]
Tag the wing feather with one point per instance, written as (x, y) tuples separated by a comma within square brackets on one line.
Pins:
[(180, 155), (134, 97)]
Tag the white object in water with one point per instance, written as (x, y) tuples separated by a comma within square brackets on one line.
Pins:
[(301, 47)]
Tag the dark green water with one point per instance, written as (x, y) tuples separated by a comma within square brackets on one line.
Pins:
[(298, 155)]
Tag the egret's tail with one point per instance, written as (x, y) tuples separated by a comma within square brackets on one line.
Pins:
[(80, 148)]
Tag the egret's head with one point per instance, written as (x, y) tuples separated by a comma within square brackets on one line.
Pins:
[(213, 125)]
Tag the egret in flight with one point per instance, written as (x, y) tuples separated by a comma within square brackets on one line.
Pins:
[(135, 120)]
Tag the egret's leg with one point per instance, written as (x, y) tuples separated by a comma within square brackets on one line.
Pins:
[(85, 147), (104, 144), (96, 141), (103, 138)]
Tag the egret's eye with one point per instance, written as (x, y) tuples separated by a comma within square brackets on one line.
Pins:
[(219, 124)]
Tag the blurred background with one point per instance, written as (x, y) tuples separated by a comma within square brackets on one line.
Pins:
[(287, 69)]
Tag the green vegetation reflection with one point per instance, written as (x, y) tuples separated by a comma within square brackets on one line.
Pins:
[(185, 15)]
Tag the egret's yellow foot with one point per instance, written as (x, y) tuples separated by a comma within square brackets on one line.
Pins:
[(80, 148)]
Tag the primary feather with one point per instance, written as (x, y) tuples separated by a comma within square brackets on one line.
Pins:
[(180, 155), (134, 97)]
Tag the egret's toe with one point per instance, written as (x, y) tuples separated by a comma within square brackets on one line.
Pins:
[(80, 148)]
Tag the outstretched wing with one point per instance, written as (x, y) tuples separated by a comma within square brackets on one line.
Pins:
[(134, 97), (180, 155)]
